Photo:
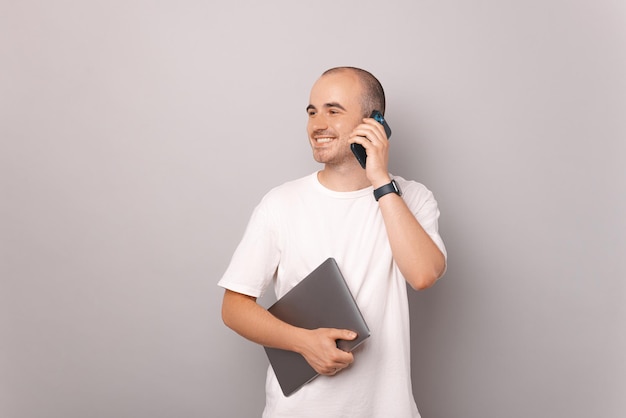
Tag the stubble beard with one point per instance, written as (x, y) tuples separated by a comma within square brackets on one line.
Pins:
[(333, 158)]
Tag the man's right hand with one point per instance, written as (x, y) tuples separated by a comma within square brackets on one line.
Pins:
[(319, 349), (319, 346)]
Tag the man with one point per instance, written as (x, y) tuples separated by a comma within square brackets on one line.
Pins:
[(380, 244)]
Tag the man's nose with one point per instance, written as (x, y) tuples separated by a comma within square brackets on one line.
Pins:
[(319, 122)]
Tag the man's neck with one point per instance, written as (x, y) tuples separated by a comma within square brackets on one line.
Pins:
[(343, 179)]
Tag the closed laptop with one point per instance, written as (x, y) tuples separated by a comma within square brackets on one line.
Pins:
[(320, 300)]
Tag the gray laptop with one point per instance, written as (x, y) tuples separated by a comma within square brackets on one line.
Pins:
[(320, 300)]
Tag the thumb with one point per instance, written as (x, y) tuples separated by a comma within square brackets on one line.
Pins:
[(346, 334)]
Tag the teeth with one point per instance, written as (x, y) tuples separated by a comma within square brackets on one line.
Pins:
[(323, 140)]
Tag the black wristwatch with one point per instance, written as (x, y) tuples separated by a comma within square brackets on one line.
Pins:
[(387, 188)]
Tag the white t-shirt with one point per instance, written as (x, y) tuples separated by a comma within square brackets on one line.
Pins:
[(294, 229)]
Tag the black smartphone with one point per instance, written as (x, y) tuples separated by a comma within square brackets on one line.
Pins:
[(358, 150)]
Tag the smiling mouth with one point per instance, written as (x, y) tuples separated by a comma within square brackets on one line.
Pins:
[(323, 140)]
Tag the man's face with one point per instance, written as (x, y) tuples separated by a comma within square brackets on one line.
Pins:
[(334, 111)]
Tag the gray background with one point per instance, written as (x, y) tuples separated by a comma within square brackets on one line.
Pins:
[(137, 136)]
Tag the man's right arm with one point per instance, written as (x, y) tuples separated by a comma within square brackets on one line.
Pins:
[(245, 316)]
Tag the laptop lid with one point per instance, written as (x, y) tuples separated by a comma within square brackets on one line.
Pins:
[(320, 300)]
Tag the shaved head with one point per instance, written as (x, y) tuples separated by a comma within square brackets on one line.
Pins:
[(373, 97)]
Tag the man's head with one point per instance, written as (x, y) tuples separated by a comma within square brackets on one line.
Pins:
[(339, 101), (372, 94)]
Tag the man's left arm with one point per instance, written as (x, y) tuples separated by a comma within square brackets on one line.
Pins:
[(416, 254)]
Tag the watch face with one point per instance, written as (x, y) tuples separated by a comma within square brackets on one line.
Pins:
[(395, 185)]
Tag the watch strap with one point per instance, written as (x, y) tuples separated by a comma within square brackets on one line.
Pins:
[(391, 187)]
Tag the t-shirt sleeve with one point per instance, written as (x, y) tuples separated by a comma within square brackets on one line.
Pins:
[(422, 203), (254, 262)]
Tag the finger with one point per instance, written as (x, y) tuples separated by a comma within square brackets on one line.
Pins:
[(334, 368), (365, 135), (376, 126), (348, 335), (330, 367), (360, 139), (330, 372), (343, 334)]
